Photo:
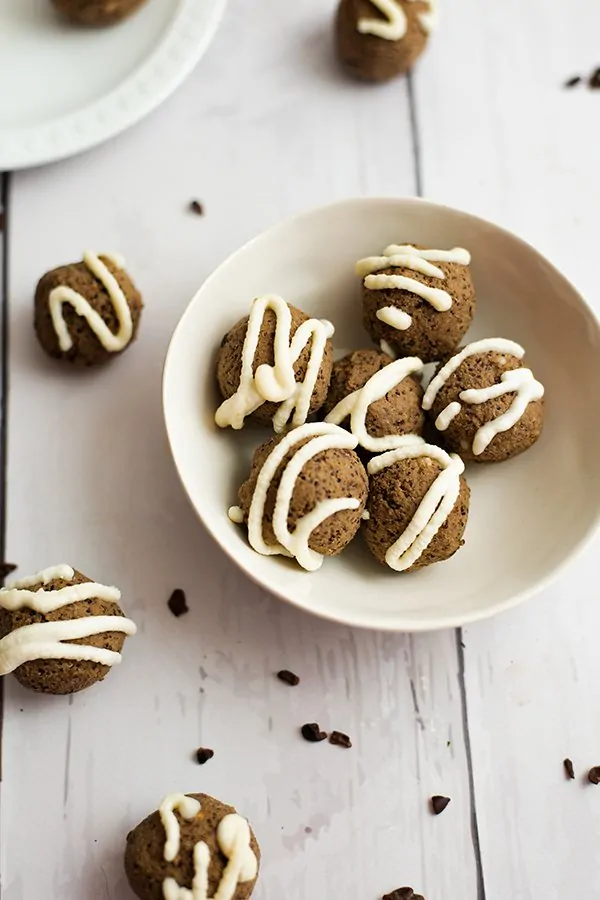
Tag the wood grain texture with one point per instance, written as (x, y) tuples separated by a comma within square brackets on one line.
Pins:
[(265, 127), (502, 137)]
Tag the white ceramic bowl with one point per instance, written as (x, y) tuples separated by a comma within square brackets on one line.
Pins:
[(529, 516)]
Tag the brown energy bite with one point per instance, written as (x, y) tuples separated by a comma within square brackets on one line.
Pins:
[(376, 40), (418, 506), (191, 839), (484, 403), (376, 398), (60, 632), (417, 301), (97, 13), (305, 495), (273, 367), (86, 313)]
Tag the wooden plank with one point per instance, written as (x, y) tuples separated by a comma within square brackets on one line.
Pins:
[(91, 481), (502, 137)]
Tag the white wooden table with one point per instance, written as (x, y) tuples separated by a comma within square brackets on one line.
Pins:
[(267, 127)]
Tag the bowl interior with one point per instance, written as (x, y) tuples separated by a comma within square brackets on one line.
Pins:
[(528, 515)]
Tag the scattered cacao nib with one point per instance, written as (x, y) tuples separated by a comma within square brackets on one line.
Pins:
[(313, 733), (594, 775), (439, 804), (6, 568), (569, 770), (576, 79), (403, 893), (177, 603), (594, 80), (203, 754), (196, 207), (288, 678), (339, 739)]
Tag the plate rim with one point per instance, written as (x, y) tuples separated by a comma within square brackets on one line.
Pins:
[(362, 622), (191, 30)]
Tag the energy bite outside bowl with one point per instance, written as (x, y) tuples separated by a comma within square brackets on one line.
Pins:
[(536, 510)]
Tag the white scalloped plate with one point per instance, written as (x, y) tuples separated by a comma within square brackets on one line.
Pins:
[(65, 89)]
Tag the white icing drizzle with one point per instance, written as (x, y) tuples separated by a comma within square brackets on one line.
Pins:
[(277, 383), (520, 382), (44, 640), (357, 404), (395, 318), (188, 808), (236, 514), (435, 507), (408, 257), (385, 348), (320, 436), (233, 838), (395, 27), (62, 294)]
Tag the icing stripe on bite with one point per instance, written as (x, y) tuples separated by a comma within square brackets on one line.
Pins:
[(519, 381), (393, 27), (356, 405), (276, 383), (435, 507), (62, 294)]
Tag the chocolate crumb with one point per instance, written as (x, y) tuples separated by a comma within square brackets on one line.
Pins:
[(177, 603), (196, 207), (439, 804), (569, 770), (594, 81), (203, 754), (6, 568), (594, 775), (308, 830), (313, 733), (576, 79), (288, 678), (339, 739), (403, 893)]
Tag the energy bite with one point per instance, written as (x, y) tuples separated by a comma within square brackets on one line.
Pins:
[(97, 13), (376, 398), (417, 301), (60, 632), (376, 40), (193, 844), (418, 506), (305, 495), (273, 367), (86, 313), (485, 404)]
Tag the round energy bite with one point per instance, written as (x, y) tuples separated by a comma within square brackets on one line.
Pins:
[(192, 840), (60, 632), (86, 313), (418, 506), (417, 301), (273, 367), (97, 13), (376, 398), (484, 403), (305, 494), (376, 40)]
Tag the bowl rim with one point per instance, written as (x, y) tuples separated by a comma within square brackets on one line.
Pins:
[(413, 625)]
